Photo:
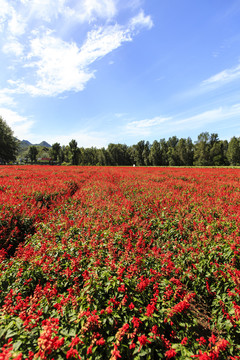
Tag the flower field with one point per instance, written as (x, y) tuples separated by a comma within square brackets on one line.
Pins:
[(119, 263)]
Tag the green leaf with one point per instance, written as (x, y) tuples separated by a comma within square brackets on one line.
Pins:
[(17, 345), (10, 333), (72, 332), (64, 332), (19, 323)]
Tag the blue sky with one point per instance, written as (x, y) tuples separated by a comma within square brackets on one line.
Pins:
[(120, 71)]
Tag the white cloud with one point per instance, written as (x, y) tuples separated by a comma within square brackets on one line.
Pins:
[(16, 24), (146, 126), (146, 123), (46, 64), (213, 83), (149, 127), (22, 13), (13, 47), (5, 98), (20, 125), (120, 115), (46, 10), (215, 115), (141, 20), (58, 67), (102, 8), (102, 41), (6, 9), (223, 77), (61, 66)]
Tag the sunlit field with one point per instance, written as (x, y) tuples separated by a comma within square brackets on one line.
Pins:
[(119, 263)]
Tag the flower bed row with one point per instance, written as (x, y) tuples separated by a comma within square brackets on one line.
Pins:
[(123, 263)]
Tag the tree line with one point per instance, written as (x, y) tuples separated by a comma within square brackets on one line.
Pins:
[(208, 150)]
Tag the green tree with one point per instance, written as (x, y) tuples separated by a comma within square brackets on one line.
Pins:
[(146, 153), (55, 152), (173, 158), (32, 153), (164, 152), (184, 149), (118, 154), (74, 152), (202, 150), (65, 154), (155, 154), (102, 156), (233, 152), (138, 153), (218, 153), (8, 144)]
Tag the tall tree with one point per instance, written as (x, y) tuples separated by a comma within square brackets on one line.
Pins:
[(102, 156), (173, 158), (55, 151), (32, 153), (118, 154), (155, 154), (218, 153), (137, 153), (164, 152), (8, 144), (74, 152), (66, 154), (146, 153), (233, 152), (202, 150), (184, 149)]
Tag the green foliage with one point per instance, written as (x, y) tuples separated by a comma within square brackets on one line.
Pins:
[(233, 152), (8, 144), (32, 153)]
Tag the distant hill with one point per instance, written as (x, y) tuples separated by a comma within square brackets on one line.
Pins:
[(45, 144), (25, 143), (43, 149)]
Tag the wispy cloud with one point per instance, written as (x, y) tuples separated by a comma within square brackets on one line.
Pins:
[(13, 47), (46, 63), (223, 77), (6, 99), (161, 125), (145, 126), (212, 84), (61, 66), (210, 116), (141, 20), (57, 68)]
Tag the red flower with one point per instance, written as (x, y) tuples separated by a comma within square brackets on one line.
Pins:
[(89, 350), (150, 309), (184, 341), (72, 353), (100, 341), (131, 306), (143, 340), (170, 354), (136, 322), (122, 288)]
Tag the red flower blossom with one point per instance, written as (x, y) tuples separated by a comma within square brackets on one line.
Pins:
[(170, 354), (131, 306), (143, 340), (72, 353)]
